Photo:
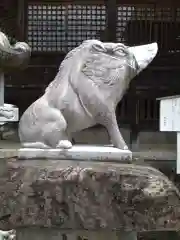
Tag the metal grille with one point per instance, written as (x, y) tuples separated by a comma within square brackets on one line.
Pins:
[(53, 27), (148, 109)]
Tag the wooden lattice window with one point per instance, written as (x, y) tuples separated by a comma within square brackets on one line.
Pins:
[(58, 27), (148, 109), (84, 22), (46, 27), (124, 14)]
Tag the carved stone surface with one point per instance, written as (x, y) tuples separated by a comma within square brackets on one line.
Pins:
[(9, 113), (91, 80), (13, 56), (78, 152), (86, 196)]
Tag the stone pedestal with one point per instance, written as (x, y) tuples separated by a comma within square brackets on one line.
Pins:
[(71, 199), (78, 152)]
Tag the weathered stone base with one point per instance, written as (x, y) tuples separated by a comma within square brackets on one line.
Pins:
[(78, 152), (82, 195), (55, 234)]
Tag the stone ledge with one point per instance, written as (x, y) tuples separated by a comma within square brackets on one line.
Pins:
[(78, 152), (56, 234), (87, 195)]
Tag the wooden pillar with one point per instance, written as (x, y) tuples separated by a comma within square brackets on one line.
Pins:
[(22, 20), (1, 89), (133, 111), (111, 10)]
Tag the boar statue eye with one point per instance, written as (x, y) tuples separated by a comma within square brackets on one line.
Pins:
[(120, 51), (98, 48)]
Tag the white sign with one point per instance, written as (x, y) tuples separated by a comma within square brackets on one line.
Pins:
[(170, 120), (170, 114)]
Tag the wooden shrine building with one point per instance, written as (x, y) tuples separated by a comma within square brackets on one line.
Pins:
[(52, 28)]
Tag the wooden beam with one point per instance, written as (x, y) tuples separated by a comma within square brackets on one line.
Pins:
[(111, 9), (125, 192), (21, 19), (158, 2)]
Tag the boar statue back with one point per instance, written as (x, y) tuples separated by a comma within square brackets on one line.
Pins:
[(91, 81)]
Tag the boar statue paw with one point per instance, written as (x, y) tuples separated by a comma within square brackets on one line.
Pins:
[(126, 147), (64, 144), (8, 235)]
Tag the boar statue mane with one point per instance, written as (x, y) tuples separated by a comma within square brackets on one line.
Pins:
[(91, 80)]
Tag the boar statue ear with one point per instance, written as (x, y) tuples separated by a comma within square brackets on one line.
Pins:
[(99, 47), (121, 50)]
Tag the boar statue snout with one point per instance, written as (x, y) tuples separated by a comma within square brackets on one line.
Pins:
[(144, 54)]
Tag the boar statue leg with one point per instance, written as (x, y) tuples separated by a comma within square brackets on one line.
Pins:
[(114, 133), (104, 114), (53, 133)]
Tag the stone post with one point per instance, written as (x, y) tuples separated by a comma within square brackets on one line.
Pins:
[(11, 58)]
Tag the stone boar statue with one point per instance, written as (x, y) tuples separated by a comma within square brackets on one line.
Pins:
[(91, 80)]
